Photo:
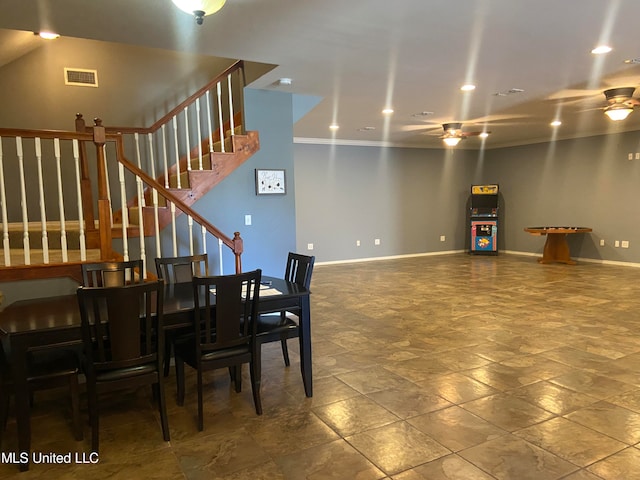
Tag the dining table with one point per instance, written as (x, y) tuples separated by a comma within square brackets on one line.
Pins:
[(55, 321)]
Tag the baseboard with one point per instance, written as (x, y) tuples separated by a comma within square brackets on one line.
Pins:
[(451, 252)]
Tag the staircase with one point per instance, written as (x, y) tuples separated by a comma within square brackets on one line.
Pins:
[(72, 197)]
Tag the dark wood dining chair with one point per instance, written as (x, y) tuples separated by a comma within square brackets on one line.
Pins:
[(47, 369), (274, 328), (175, 270), (112, 274), (224, 331), (123, 338)]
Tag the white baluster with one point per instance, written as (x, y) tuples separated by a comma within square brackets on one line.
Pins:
[(23, 203), (156, 220), (143, 253), (125, 213), (190, 224), (220, 255), (174, 234), (175, 139), (63, 225), (186, 137), (199, 134), (231, 119), (106, 173), (209, 129), (166, 161), (221, 124), (83, 247), (5, 221), (43, 212), (203, 233)]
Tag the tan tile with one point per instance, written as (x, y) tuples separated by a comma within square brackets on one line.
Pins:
[(354, 415), (336, 460), (455, 428), (373, 379), (612, 420), (451, 467), (592, 384), (507, 412), (397, 447), (409, 401), (457, 388), (509, 458), (625, 464), (570, 441), (553, 398)]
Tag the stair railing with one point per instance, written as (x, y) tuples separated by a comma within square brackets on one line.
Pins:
[(45, 187), (196, 128)]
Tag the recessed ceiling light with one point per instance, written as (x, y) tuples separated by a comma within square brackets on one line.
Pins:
[(366, 129), (632, 60), (48, 35), (334, 127), (556, 123), (422, 114), (601, 49), (468, 87), (285, 81), (387, 111)]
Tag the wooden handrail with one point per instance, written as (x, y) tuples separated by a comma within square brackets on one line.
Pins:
[(239, 65), (235, 243)]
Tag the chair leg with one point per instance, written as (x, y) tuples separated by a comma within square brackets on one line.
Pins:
[(92, 401), (200, 406), (74, 390), (4, 411), (285, 351), (167, 355), (162, 405), (180, 380), (256, 373), (237, 377)]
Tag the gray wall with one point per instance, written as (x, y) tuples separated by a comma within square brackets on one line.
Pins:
[(584, 182), (405, 197), (136, 85)]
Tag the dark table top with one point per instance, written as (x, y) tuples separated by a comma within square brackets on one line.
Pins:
[(62, 312)]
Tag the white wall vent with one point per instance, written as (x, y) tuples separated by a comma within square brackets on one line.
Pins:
[(81, 77)]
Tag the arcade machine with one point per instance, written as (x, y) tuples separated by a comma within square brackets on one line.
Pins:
[(484, 219)]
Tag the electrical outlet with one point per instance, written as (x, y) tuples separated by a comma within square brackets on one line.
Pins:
[(357, 243), (442, 238), (624, 244), (637, 155), (616, 243), (630, 156), (602, 242), (309, 246), (376, 241)]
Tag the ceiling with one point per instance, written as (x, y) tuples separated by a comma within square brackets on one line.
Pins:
[(360, 56)]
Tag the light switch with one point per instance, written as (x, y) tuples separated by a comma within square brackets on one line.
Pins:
[(247, 219)]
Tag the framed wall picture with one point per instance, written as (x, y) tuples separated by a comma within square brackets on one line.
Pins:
[(270, 182)]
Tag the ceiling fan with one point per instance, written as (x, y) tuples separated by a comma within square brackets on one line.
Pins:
[(453, 133)]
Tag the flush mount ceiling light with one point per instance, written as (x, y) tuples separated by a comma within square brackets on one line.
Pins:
[(199, 8), (556, 123), (334, 127), (387, 111), (468, 87), (601, 49), (47, 35)]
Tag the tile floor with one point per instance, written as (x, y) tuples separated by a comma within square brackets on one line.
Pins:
[(448, 367)]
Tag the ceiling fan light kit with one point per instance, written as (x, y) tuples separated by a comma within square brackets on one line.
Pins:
[(199, 8), (621, 103)]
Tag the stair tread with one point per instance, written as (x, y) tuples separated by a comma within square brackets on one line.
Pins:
[(55, 256)]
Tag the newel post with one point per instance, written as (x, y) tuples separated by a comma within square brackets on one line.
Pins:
[(104, 206), (85, 187), (238, 248)]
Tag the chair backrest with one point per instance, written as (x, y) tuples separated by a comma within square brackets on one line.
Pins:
[(182, 269), (112, 274), (226, 310), (299, 269), (122, 326)]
